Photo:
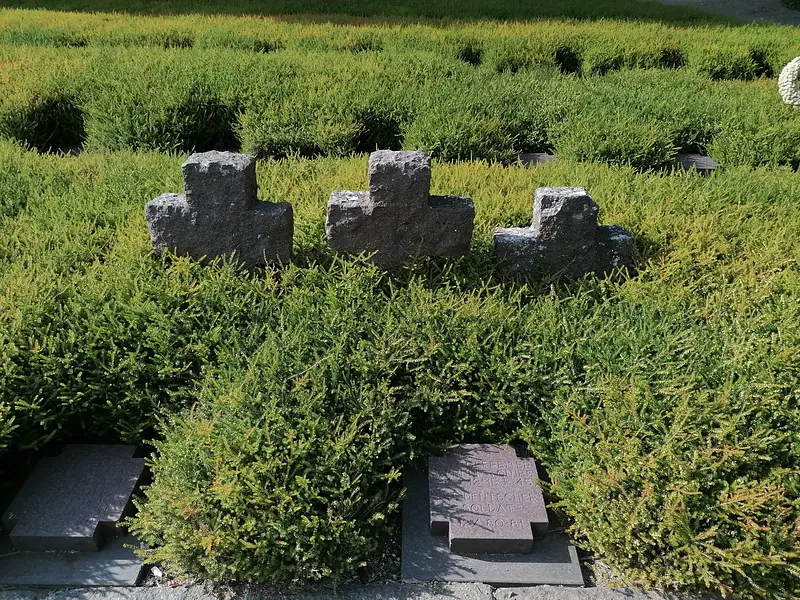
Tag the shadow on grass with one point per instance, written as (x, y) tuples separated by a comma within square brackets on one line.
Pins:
[(401, 11)]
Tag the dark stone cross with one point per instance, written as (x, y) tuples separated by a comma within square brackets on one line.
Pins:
[(220, 214), (398, 220), (74, 500), (486, 499), (564, 238)]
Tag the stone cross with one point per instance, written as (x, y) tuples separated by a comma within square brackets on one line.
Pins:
[(219, 214), (74, 500), (398, 220), (486, 499), (564, 238)]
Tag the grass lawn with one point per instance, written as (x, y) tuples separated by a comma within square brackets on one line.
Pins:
[(663, 401)]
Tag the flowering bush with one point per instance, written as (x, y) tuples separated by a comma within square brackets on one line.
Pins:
[(789, 83)]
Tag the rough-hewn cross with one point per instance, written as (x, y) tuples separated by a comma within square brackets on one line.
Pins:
[(73, 500), (486, 499), (564, 238), (219, 214), (398, 220)]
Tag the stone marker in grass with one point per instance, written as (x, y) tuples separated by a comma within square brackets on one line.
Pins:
[(397, 220), (219, 214), (564, 238), (486, 499), (537, 159), (478, 514), (63, 521), (704, 165)]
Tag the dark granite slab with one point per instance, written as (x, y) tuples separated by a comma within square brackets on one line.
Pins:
[(73, 501), (552, 560), (702, 164), (537, 159), (486, 499), (113, 565)]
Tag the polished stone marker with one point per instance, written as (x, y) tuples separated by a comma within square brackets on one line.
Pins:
[(398, 220), (486, 499), (552, 559), (220, 214), (73, 501), (62, 522), (564, 239), (702, 164)]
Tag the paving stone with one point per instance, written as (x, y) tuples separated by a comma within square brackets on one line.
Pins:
[(398, 220), (486, 499), (564, 238), (537, 159), (115, 564), (73, 501), (546, 592), (702, 164), (552, 560), (219, 214)]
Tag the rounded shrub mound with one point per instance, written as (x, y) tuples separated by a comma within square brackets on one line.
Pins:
[(269, 484), (49, 120)]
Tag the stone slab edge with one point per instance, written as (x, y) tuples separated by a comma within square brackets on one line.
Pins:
[(113, 565)]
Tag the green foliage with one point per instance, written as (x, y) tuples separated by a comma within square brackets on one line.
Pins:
[(402, 9), (272, 483), (618, 92), (160, 106), (663, 404), (46, 118), (793, 4)]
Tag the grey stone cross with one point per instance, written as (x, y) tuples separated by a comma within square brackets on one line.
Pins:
[(398, 220), (564, 238), (486, 499), (219, 214), (74, 500)]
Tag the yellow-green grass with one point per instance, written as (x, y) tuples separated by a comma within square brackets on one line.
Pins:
[(663, 402)]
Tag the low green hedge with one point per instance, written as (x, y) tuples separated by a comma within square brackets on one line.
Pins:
[(662, 403), (307, 104)]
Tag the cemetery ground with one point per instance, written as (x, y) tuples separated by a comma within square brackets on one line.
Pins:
[(283, 403)]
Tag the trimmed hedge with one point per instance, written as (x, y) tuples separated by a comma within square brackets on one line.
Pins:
[(291, 103), (287, 401)]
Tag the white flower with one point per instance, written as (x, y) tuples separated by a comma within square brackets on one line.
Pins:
[(789, 83)]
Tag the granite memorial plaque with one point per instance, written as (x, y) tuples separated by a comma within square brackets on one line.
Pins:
[(704, 165), (62, 524), (486, 499), (537, 159), (477, 514)]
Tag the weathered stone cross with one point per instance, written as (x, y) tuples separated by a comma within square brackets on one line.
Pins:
[(219, 214), (74, 500), (398, 220), (564, 238), (486, 499)]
